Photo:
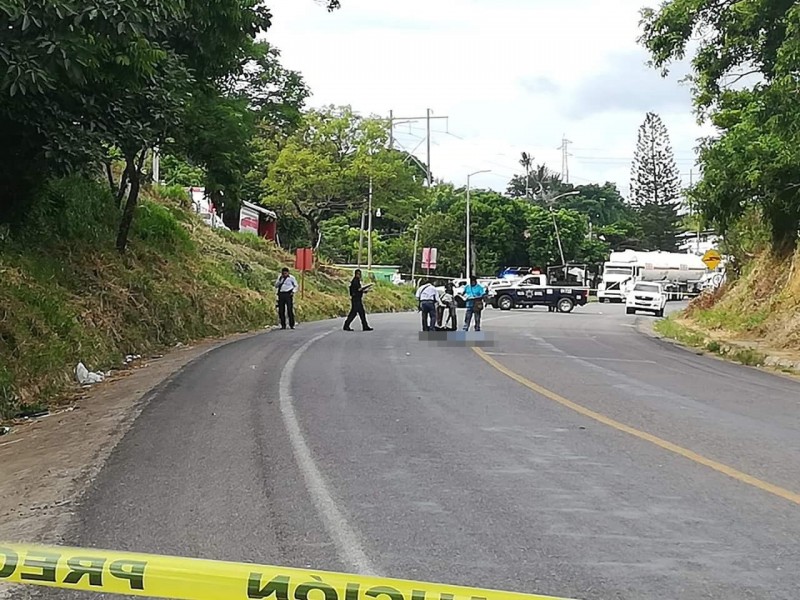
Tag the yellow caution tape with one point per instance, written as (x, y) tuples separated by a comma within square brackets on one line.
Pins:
[(150, 575)]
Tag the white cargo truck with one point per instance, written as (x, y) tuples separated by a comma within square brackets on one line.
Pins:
[(678, 273)]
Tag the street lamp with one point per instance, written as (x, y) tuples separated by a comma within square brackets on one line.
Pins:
[(369, 230), (555, 224), (469, 249)]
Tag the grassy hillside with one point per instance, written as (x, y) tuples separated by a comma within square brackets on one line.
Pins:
[(759, 309), (66, 295)]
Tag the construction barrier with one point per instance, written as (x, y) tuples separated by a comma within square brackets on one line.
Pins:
[(134, 574)]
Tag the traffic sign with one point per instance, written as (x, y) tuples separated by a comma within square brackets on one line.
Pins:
[(712, 258), (429, 256)]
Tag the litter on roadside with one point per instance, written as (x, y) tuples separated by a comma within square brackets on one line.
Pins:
[(86, 377)]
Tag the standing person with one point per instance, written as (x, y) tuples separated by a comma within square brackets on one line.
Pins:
[(357, 292), (444, 310), (287, 286), (474, 294), (428, 297)]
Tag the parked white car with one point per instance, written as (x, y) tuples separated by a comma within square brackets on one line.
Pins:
[(646, 296)]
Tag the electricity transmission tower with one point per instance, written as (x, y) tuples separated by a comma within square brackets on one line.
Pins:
[(427, 118)]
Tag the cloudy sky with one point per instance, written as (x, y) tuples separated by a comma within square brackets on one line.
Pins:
[(511, 75)]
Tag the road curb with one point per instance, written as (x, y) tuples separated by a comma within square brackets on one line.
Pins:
[(772, 363)]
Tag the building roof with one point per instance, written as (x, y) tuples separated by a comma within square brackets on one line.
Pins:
[(261, 209)]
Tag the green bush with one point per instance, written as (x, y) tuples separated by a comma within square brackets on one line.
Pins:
[(158, 227), (73, 210), (175, 193)]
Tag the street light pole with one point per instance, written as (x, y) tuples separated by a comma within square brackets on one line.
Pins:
[(555, 223), (469, 247), (361, 237), (558, 238), (414, 261), (369, 230)]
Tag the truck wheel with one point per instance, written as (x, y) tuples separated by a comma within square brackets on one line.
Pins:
[(505, 302), (630, 311), (660, 313), (565, 305), (601, 300)]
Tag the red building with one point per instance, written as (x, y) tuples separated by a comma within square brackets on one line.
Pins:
[(252, 218), (259, 220)]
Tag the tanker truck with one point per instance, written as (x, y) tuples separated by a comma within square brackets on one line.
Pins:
[(678, 273)]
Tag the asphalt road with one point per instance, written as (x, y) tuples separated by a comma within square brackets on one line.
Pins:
[(613, 466)]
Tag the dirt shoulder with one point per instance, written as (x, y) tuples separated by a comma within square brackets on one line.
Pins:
[(720, 344), (47, 463)]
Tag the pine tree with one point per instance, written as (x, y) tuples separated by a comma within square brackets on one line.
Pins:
[(656, 186)]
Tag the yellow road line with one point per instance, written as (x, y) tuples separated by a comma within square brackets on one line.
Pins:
[(642, 435)]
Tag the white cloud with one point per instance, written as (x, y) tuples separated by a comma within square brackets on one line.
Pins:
[(512, 75)]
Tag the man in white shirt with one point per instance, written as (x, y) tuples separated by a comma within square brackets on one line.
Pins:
[(428, 297), (287, 286)]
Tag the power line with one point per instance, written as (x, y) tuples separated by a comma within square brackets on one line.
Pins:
[(428, 117)]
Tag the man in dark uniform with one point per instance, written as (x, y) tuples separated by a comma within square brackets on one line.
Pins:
[(357, 303)]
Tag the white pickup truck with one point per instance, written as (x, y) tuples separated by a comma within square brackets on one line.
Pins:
[(646, 296)]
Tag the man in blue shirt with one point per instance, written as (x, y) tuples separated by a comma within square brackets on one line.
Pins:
[(474, 294)]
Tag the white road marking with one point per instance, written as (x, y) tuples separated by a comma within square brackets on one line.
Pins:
[(344, 537)]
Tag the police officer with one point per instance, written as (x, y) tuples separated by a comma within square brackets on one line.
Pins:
[(357, 303)]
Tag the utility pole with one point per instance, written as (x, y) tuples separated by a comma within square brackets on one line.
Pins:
[(361, 238), (414, 260), (469, 224), (391, 130), (565, 158), (428, 137), (696, 212), (427, 118), (156, 166), (558, 239), (369, 231)]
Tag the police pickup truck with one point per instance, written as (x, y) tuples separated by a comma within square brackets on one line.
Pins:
[(533, 290)]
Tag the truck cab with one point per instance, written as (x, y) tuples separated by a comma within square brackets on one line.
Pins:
[(617, 279), (534, 290)]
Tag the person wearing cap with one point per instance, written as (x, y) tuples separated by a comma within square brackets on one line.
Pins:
[(286, 286), (474, 294)]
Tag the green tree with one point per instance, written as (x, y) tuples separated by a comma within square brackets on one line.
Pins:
[(655, 185), (83, 82), (753, 160), (543, 249), (536, 182), (622, 235), (602, 204), (325, 168)]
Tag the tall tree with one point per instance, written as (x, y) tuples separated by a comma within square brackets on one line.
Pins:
[(745, 83), (655, 185), (537, 181), (326, 166), (80, 78)]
